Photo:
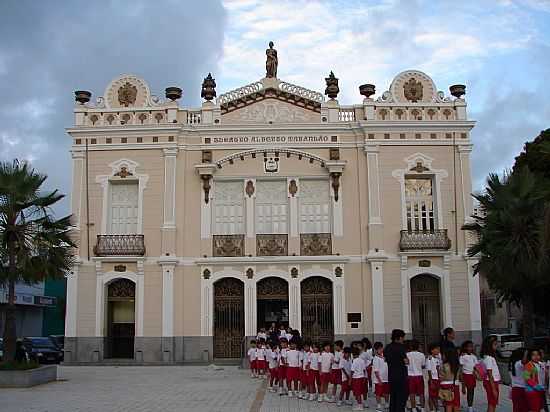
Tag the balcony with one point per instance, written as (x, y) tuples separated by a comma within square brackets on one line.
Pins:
[(227, 245), (120, 245), (315, 244), (420, 240), (272, 245)]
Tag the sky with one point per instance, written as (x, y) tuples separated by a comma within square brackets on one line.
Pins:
[(500, 49)]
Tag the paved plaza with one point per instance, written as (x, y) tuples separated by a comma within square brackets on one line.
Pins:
[(166, 389)]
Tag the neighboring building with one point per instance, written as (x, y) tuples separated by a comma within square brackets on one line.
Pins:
[(31, 302), (54, 316), (269, 203)]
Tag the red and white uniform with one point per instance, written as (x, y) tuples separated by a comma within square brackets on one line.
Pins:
[(468, 363), (336, 377), (292, 365), (433, 363), (261, 358), (326, 359), (380, 367), (252, 358), (417, 362), (358, 377), (314, 359)]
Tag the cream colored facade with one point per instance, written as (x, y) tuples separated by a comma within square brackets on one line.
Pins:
[(289, 185)]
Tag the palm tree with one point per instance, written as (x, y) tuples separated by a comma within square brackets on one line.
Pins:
[(511, 240), (33, 244)]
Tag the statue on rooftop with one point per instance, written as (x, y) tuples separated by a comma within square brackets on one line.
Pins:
[(271, 62)]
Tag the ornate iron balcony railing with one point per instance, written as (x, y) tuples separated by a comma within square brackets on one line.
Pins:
[(120, 245), (419, 239)]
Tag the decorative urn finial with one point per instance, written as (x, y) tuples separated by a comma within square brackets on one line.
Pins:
[(332, 89), (272, 62), (173, 93), (208, 91), (82, 96), (458, 90), (367, 90)]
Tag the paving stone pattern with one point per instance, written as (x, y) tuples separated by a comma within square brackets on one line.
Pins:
[(166, 389)]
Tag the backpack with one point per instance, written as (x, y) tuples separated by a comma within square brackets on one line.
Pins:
[(480, 371)]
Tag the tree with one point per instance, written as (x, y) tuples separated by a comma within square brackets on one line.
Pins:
[(512, 235), (536, 156), (33, 244)]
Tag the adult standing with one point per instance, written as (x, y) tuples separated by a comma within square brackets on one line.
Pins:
[(396, 357), (447, 340)]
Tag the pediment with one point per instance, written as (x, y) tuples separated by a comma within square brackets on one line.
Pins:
[(271, 99), (271, 110)]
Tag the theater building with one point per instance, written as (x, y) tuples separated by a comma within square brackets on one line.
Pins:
[(269, 203)]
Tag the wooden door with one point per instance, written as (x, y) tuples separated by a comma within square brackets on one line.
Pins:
[(426, 309)]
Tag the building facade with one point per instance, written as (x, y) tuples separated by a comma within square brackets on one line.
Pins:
[(270, 203)]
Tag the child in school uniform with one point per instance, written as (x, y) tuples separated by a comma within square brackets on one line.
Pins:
[(261, 363), (450, 373), (534, 381), (515, 366), (368, 358), (380, 377), (292, 369), (314, 378), (336, 373), (358, 368), (468, 362), (491, 380), (433, 363), (415, 367), (325, 361), (304, 371), (252, 359), (283, 384), (273, 363), (345, 370)]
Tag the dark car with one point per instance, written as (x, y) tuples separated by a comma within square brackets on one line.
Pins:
[(42, 350)]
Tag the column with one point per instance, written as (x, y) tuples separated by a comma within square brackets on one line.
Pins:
[(447, 311), (168, 268), (250, 320), (99, 300), (377, 275), (72, 301), (294, 298), (249, 196), (77, 187), (293, 184), (375, 232), (169, 222), (336, 169), (140, 293), (474, 301), (339, 300), (405, 295), (206, 171)]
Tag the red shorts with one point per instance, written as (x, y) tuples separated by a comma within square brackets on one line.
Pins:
[(433, 389), (305, 377), (346, 386), (358, 387), (274, 372), (491, 399), (416, 385), (254, 364), (325, 377), (261, 364), (292, 373), (314, 378), (336, 378), (456, 398), (519, 400), (469, 380), (535, 400), (382, 389), (282, 372)]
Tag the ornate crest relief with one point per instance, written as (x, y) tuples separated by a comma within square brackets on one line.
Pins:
[(413, 90), (127, 94)]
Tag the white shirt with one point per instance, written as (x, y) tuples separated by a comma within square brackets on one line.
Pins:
[(260, 353), (346, 366), (542, 373), (261, 335), (305, 360), (252, 354), (518, 381), (314, 360), (358, 368), (367, 357), (282, 356), (417, 362), (289, 336), (379, 365), (491, 365), (293, 358), (468, 362), (337, 360), (326, 361), (432, 365)]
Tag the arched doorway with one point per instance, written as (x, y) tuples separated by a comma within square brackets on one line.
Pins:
[(228, 318), (272, 302), (317, 309), (426, 309), (121, 319)]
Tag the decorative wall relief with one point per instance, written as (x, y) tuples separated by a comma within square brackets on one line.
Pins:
[(315, 244), (227, 245), (272, 245)]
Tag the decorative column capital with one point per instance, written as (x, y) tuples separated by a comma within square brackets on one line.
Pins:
[(170, 151), (78, 154), (372, 148)]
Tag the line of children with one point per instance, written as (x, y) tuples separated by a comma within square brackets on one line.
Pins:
[(308, 373)]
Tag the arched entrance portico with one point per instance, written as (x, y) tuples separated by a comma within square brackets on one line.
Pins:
[(272, 302), (317, 309), (228, 317), (121, 319), (426, 308)]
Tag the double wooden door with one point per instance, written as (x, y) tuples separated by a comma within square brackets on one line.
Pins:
[(426, 309)]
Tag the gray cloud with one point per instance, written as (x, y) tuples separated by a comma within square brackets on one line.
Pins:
[(49, 49)]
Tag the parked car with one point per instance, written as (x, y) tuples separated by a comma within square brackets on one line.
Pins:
[(507, 343), (42, 350), (59, 341), (1, 349)]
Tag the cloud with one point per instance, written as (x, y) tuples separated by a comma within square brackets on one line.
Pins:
[(50, 49)]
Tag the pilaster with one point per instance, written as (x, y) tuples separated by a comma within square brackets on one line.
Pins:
[(169, 222), (375, 232)]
